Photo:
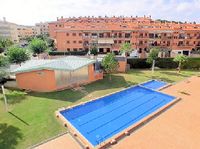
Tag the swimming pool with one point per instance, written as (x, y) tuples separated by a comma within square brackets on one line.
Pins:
[(154, 84), (105, 117)]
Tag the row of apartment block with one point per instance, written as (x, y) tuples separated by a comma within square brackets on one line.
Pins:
[(108, 33), (17, 32)]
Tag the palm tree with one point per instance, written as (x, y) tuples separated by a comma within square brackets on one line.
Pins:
[(152, 57), (125, 48), (180, 59)]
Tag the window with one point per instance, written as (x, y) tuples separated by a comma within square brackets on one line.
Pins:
[(127, 35), (141, 35), (74, 41), (108, 35), (151, 35), (115, 35), (80, 49), (86, 34), (68, 41), (101, 35), (74, 34), (75, 49), (115, 41), (68, 49), (94, 34), (67, 34), (140, 50), (108, 50), (180, 43), (80, 41), (101, 50), (80, 34), (119, 41)]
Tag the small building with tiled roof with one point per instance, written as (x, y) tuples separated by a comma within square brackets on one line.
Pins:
[(56, 74)]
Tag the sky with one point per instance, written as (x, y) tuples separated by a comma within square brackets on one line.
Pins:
[(29, 12)]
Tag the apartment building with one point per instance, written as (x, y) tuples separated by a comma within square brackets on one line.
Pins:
[(108, 33), (8, 30), (42, 28), (26, 31)]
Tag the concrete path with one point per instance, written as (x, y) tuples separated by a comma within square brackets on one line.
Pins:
[(63, 142)]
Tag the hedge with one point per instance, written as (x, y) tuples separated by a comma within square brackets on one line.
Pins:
[(167, 63), (192, 63), (138, 63), (68, 53)]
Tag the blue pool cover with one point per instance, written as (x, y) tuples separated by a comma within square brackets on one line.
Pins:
[(101, 119), (154, 84)]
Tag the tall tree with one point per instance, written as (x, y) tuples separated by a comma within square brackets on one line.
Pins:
[(17, 54), (38, 46), (93, 50), (180, 59), (50, 44), (152, 57), (110, 64), (4, 44), (4, 63), (125, 48)]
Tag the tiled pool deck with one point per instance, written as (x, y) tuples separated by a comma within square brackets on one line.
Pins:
[(178, 127)]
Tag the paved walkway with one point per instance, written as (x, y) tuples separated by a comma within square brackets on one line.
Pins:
[(63, 142), (176, 128)]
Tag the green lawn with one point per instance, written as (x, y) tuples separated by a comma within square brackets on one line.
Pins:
[(32, 120)]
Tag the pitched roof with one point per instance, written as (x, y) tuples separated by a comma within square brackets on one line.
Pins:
[(70, 63)]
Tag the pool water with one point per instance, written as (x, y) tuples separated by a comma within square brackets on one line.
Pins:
[(154, 84), (101, 119)]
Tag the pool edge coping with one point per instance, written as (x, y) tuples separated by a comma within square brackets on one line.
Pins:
[(115, 137), (158, 89)]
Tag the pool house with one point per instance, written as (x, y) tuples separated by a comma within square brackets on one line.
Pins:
[(56, 74)]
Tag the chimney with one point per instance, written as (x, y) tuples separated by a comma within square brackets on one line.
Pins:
[(57, 18), (4, 19)]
